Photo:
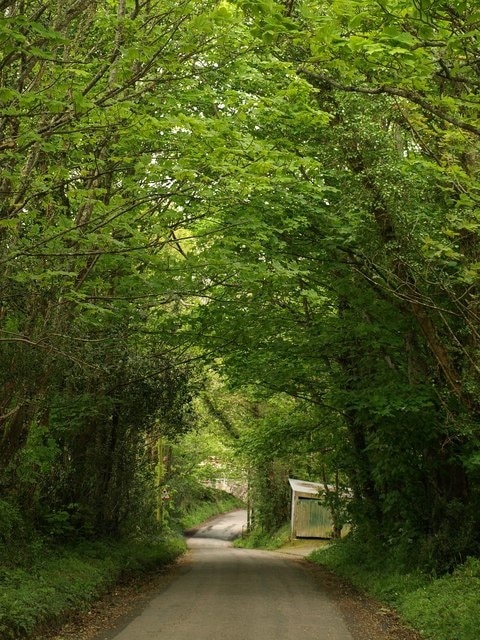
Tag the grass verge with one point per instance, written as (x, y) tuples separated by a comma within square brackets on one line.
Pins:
[(445, 608), (258, 539), (66, 579)]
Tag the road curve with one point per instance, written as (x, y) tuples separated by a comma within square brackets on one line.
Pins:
[(223, 593)]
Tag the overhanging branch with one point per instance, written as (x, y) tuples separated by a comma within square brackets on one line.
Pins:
[(412, 96)]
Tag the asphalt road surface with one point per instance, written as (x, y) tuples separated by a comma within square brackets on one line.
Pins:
[(223, 593)]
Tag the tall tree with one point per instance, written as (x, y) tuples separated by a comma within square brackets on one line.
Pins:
[(97, 107)]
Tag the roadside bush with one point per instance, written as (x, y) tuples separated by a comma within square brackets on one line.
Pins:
[(448, 607), (258, 539), (12, 525), (68, 579), (372, 569), (445, 608)]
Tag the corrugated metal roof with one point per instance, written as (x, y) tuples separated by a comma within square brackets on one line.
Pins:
[(303, 486)]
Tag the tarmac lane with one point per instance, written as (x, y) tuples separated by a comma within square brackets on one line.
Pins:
[(224, 593)]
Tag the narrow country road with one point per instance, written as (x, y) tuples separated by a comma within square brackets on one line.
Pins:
[(223, 593)]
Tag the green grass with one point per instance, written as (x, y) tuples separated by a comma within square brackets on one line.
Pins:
[(258, 539), (445, 608), (69, 579)]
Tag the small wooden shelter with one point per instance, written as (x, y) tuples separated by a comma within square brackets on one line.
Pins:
[(311, 518)]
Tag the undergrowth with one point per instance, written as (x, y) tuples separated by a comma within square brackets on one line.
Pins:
[(61, 580), (41, 583), (440, 608), (259, 539)]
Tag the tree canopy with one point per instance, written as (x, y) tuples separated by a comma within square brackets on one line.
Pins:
[(286, 192)]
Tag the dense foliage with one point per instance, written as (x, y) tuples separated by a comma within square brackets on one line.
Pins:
[(347, 272), (56, 584), (442, 608), (94, 176), (288, 190)]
